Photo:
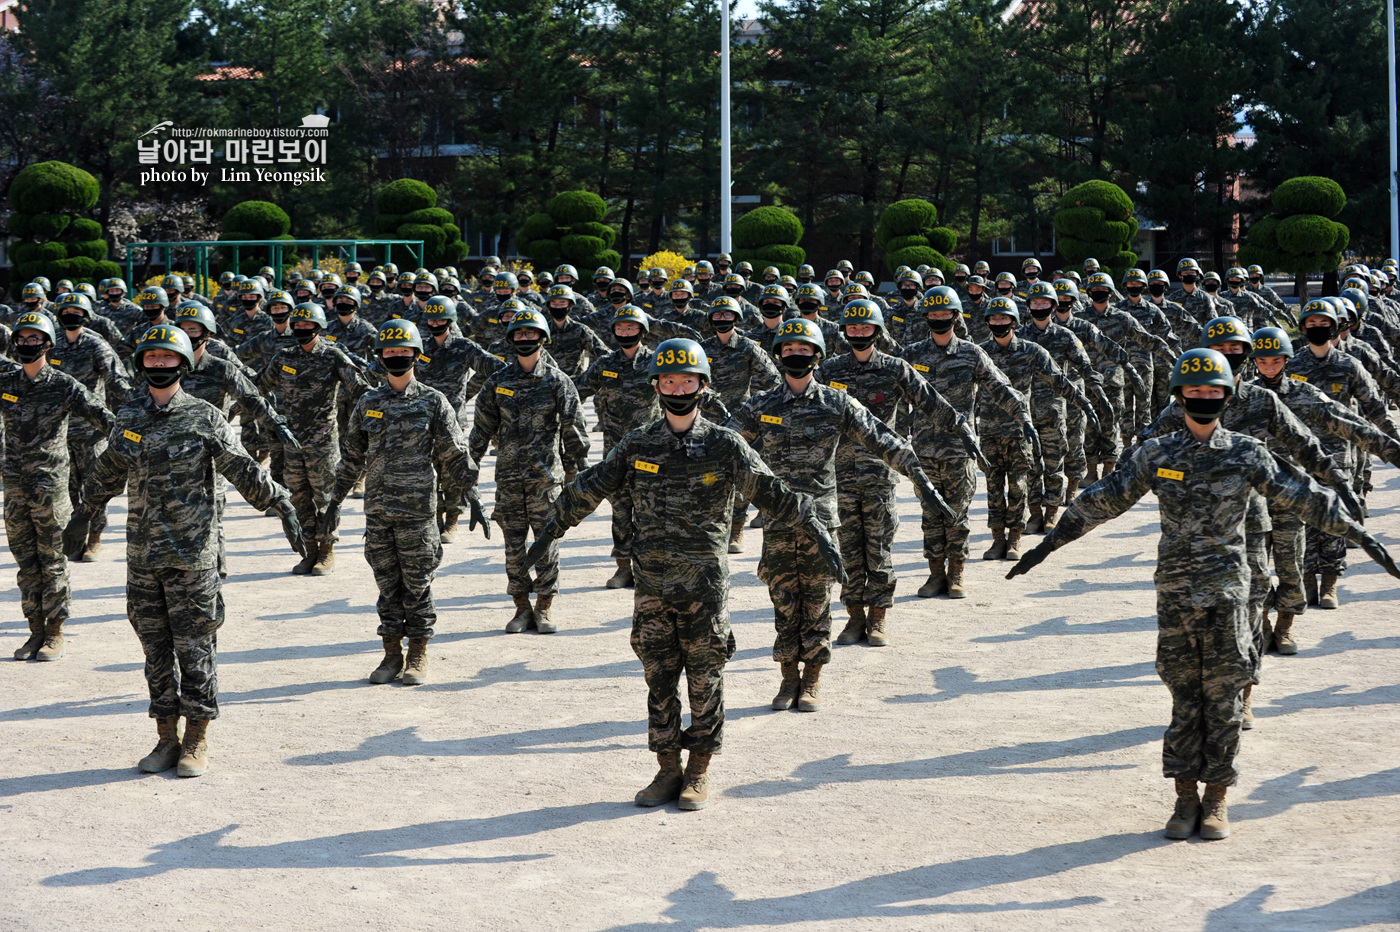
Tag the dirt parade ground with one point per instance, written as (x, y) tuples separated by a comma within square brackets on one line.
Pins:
[(997, 767)]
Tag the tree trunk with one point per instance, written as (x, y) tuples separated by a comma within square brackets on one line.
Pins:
[(1300, 288), (624, 239)]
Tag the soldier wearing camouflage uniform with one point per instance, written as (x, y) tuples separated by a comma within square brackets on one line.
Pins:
[(1183, 323), (1144, 407), (122, 312), (573, 346), (1202, 477), (1256, 286), (1245, 304), (255, 352), (174, 449), (1189, 294)]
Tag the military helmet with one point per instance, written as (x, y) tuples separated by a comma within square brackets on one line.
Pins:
[(961, 269), (1211, 276), (397, 332), (681, 284), (983, 268), (687, 270), (744, 268), (1203, 366), (1066, 286), (725, 303), (1002, 306), (107, 284), (153, 295), (941, 296), (932, 271), (193, 310), (1320, 307), (354, 267), (603, 271), (503, 280), (1042, 290), (977, 280), (165, 337), (1225, 330), (733, 278), (1075, 277), (267, 271), (309, 310), (656, 272), (1031, 263), (862, 311), (391, 268), (35, 320), (1235, 272), (376, 273), (805, 269), (704, 266), (902, 269), (280, 297), (566, 269), (429, 279), (349, 292), (808, 291), (864, 278), (772, 270), (908, 275), (845, 267), (1006, 277), (773, 293), (172, 283), (226, 279), (679, 356), (854, 290), (1272, 341), (330, 278), (1135, 276), (528, 318), (788, 282), (76, 299), (623, 285), (308, 286), (1091, 265), (725, 258), (251, 286), (1346, 310), (91, 292), (1158, 277), (833, 273), (560, 293), (440, 307), (512, 305), (1188, 263), (1359, 298), (630, 313), (33, 290), (42, 283), (1100, 280), (798, 330)]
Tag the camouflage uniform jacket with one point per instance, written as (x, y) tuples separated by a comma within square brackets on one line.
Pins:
[(1067, 352), (93, 362), (104, 327), (356, 337), (1025, 364), (1341, 377), (1123, 329), (571, 343), (452, 365), (258, 351), (1200, 303), (1386, 378), (1152, 319), (36, 414), (1108, 357), (240, 328), (395, 439), (739, 368), (1372, 335), (959, 372), (1327, 418), (304, 383), (682, 490), (124, 314), (533, 416), (1249, 307), (220, 383), (1186, 327), (175, 457), (623, 396), (800, 433), (1202, 493)]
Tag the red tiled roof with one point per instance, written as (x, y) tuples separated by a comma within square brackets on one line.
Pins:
[(230, 73)]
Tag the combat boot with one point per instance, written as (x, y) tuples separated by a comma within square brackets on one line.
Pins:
[(879, 633), (54, 645), (1283, 635), (787, 691), (1327, 592), (956, 565), (1071, 490), (696, 793), (415, 669), (622, 579), (937, 583), (391, 665), (36, 641), (736, 536), (544, 619), (93, 550), (1036, 523), (997, 551), (194, 753), (1248, 722), (759, 521), (1107, 470), (855, 628), (449, 526), (810, 699), (359, 490), (524, 616), (1187, 812), (307, 562), (1050, 519), (1013, 546), (167, 750), (1310, 587), (667, 783), (325, 563), (1215, 815)]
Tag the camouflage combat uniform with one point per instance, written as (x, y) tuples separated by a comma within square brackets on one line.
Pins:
[(738, 369), (1142, 406), (574, 346), (1103, 445), (1047, 485)]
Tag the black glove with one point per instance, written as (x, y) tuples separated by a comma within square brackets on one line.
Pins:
[(1137, 385), (1091, 420), (76, 534), (828, 549), (1031, 558), (1033, 439), (547, 536), (330, 521), (975, 451), (478, 517), (284, 433), (291, 526), (1375, 550), (928, 494), (1342, 487)]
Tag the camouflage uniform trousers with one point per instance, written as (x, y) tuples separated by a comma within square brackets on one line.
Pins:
[(1076, 463), (1324, 553), (669, 637), (1047, 485), (404, 554), (1161, 387), (869, 520), (1104, 445), (1137, 412), (83, 451), (1203, 655), (1287, 538), (956, 481), (621, 502), (1256, 554), (310, 477), (1008, 481), (521, 509), (34, 531), (177, 615), (800, 589)]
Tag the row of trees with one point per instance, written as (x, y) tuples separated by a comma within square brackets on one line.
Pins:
[(842, 108)]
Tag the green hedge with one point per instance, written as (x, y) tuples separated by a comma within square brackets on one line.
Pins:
[(77, 267), (53, 187), (600, 230), (570, 207), (52, 252), (404, 196), (48, 226), (767, 226), (1309, 194), (915, 256), (1079, 222), (388, 224), (907, 233), (575, 244), (1264, 234), (1095, 220), (1104, 195), (904, 218), (258, 219), (572, 231), (902, 242), (433, 215), (434, 238), (1306, 233), (454, 233), (83, 229), (95, 249), (943, 239), (536, 227)]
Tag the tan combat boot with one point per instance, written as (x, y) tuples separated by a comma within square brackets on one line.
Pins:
[(325, 563), (194, 755), (937, 583), (524, 615), (1107, 470), (1071, 490), (696, 793), (788, 689), (313, 553), (167, 750), (54, 645), (879, 633), (1248, 721), (855, 628), (1283, 635), (622, 579), (1013, 546), (736, 536), (1215, 815), (667, 783), (1310, 587), (1036, 522), (810, 699), (415, 669), (93, 550), (391, 665), (544, 620), (449, 527), (1327, 592), (997, 551), (359, 490), (956, 589), (1050, 519), (1187, 812), (30, 649)]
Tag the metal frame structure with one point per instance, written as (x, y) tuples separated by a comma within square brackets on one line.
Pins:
[(275, 249)]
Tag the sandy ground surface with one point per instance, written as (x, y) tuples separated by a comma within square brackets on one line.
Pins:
[(997, 767)]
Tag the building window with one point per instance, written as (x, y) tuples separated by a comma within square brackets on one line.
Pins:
[(1020, 243)]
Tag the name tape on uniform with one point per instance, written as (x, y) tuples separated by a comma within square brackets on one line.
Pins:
[(920, 368), (770, 419), (132, 435), (289, 370), (841, 386), (369, 413), (647, 467), (610, 375), (1171, 474), (505, 391)]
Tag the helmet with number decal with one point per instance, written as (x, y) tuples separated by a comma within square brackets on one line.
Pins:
[(773, 293), (630, 313), (809, 291), (1317, 307), (679, 356), (1203, 367), (1031, 263), (85, 288), (1358, 297), (225, 279), (1042, 289), (1188, 264), (440, 307), (560, 293), (704, 267), (1158, 277), (165, 337), (279, 297), (109, 284), (505, 281), (173, 283), (1091, 265), (1211, 276), (1101, 281), (1346, 311), (941, 296), (931, 273), (568, 270), (346, 293), (528, 317), (799, 330), (1226, 330), (806, 270), (34, 320), (193, 310), (248, 286), (862, 311), (1002, 306), (864, 278), (854, 290), (1236, 273), (1006, 278), (1065, 287), (33, 292), (75, 299), (309, 311), (396, 332), (845, 267), (683, 286), (983, 268), (1272, 341), (153, 295), (725, 303), (1134, 276)]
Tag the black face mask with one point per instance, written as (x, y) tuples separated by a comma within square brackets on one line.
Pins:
[(352, 279), (733, 290), (680, 303), (438, 328), (197, 342), (1041, 313), (1319, 336), (861, 343), (1065, 308), (1032, 274), (1203, 410), (680, 404), (1211, 286), (804, 279), (1189, 279), (397, 365), (28, 354), (1099, 297), (1236, 360), (600, 284), (375, 289), (152, 313), (628, 342), (407, 292), (909, 294), (1254, 279), (1000, 330), (617, 297), (328, 293), (114, 298), (526, 347), (976, 298), (1003, 289), (1157, 289), (345, 310), (72, 321), (279, 317), (161, 377), (560, 314), (305, 337), (798, 366), (250, 305), (721, 326), (1133, 291), (959, 278), (940, 326)]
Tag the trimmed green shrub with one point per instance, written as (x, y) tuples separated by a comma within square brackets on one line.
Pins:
[(106, 269), (537, 226), (1300, 236), (46, 198), (19, 225), (915, 256), (902, 242), (574, 244), (408, 210), (1309, 194), (53, 187), (905, 218), (1095, 220), (571, 231), (77, 268), (95, 249), (48, 226), (404, 196), (388, 224), (1104, 195), (943, 239), (433, 215), (601, 230), (570, 207), (908, 234), (52, 252), (779, 254), (24, 253), (259, 219), (765, 234), (434, 237), (454, 233), (83, 229)]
